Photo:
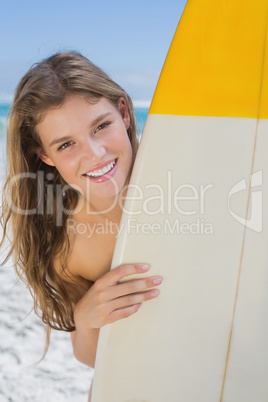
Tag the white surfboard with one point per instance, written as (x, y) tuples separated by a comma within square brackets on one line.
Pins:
[(198, 213)]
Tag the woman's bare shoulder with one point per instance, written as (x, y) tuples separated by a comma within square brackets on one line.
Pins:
[(90, 258)]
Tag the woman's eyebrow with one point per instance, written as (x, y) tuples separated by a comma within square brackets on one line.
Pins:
[(58, 140), (99, 118), (93, 123)]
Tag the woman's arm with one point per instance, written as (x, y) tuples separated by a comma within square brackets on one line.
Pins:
[(107, 301), (85, 346)]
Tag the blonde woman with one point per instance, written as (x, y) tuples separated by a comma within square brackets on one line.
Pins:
[(71, 145)]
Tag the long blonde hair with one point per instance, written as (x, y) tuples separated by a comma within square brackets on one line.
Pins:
[(37, 236)]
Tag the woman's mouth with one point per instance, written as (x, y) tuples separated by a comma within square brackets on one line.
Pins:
[(104, 173)]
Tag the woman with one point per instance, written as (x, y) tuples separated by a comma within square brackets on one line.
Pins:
[(71, 146)]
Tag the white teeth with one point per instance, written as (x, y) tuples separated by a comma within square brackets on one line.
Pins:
[(100, 172)]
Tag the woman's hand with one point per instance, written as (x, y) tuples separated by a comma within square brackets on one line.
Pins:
[(108, 300)]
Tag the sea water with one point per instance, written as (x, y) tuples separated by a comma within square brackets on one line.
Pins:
[(4, 108), (141, 116)]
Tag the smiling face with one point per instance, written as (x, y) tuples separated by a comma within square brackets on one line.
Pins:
[(89, 145)]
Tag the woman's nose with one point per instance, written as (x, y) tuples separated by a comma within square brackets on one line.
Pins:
[(93, 149)]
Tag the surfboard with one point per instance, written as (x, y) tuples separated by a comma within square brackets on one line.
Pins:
[(197, 212)]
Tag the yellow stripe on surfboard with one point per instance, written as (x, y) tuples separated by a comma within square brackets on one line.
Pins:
[(217, 65)]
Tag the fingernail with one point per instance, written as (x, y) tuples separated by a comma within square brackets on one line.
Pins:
[(145, 267), (157, 280), (154, 293)]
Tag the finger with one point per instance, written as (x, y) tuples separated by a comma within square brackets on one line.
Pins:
[(132, 299), (134, 286), (123, 313), (115, 275)]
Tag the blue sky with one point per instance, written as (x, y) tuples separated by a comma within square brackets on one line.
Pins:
[(129, 40)]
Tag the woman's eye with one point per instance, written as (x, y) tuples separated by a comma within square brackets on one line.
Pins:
[(102, 126), (65, 145)]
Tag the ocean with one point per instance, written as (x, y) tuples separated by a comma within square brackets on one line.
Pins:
[(59, 377), (4, 108), (141, 116)]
